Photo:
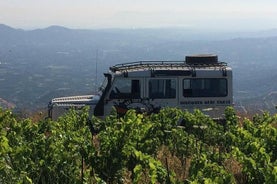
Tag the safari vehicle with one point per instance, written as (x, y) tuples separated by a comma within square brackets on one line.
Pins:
[(199, 82)]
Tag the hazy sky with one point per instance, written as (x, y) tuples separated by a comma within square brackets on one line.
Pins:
[(195, 14)]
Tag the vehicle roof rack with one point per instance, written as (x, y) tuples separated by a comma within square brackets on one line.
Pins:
[(163, 64)]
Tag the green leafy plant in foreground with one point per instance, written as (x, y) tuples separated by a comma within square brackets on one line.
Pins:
[(138, 148)]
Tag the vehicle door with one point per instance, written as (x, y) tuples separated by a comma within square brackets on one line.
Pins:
[(125, 94), (162, 92)]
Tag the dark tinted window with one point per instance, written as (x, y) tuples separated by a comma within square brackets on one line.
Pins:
[(162, 88), (213, 87), (125, 89)]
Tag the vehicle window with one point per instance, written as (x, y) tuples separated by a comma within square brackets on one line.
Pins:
[(162, 88), (125, 89), (209, 87)]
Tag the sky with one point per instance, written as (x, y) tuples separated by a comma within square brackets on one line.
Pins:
[(95, 14)]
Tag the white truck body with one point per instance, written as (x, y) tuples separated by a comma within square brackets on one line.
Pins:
[(199, 82)]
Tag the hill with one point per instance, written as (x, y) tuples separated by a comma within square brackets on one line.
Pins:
[(37, 65)]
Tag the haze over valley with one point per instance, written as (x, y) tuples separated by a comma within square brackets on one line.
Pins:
[(37, 65)]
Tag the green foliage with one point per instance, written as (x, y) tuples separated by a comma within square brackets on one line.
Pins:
[(43, 152), (129, 149), (204, 170)]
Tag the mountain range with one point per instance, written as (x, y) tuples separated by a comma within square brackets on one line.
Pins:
[(37, 65)]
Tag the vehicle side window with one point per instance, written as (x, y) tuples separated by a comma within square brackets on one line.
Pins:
[(125, 89), (162, 88), (209, 87)]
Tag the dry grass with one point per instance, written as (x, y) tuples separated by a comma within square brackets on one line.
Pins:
[(169, 161), (173, 163), (235, 168)]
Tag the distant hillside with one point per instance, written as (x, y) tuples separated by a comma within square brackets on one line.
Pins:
[(37, 65)]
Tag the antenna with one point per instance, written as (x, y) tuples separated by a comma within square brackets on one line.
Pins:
[(96, 70)]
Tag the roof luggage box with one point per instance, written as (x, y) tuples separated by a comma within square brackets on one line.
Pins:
[(203, 59)]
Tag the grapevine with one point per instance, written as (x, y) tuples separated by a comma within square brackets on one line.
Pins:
[(172, 146)]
